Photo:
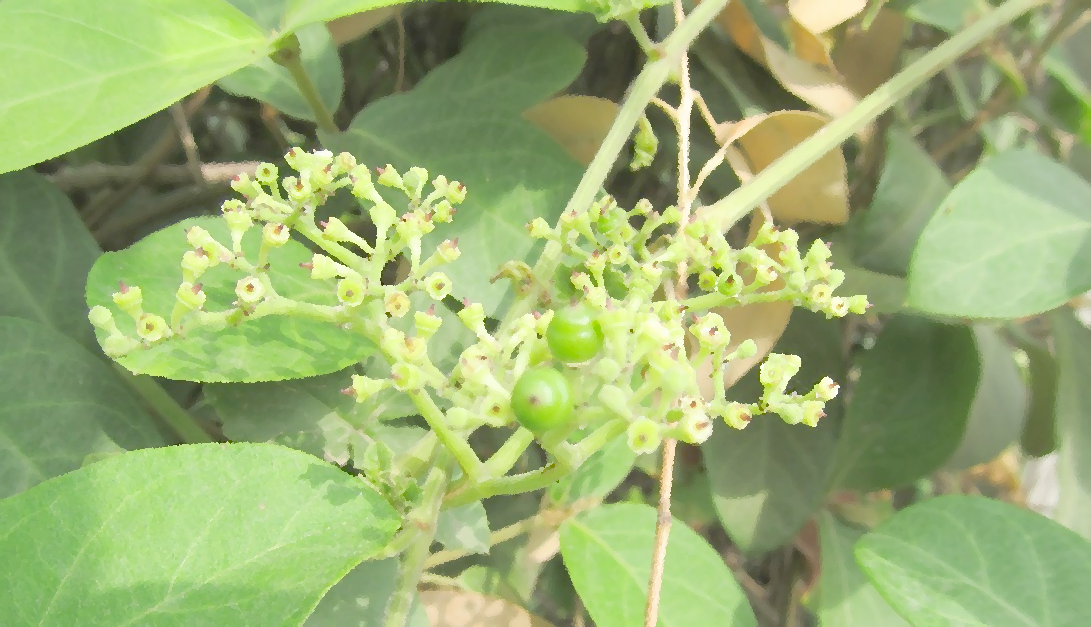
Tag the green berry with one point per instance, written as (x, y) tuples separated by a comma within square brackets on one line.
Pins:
[(542, 400), (574, 336)]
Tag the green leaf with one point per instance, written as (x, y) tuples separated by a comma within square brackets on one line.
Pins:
[(1000, 404), (1011, 241), (910, 406), (909, 192), (273, 84), (598, 476), (465, 528), (360, 598), (77, 71), (59, 404), (471, 105), (1040, 430), (272, 348), (966, 560), (770, 478), (1072, 342), (215, 534), (608, 552), (578, 26), (846, 598), (45, 255), (947, 15), (306, 414)]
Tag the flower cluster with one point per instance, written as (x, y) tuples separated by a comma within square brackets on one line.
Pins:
[(602, 347)]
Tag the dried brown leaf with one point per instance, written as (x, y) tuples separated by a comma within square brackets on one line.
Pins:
[(868, 58), (577, 123), (819, 16), (461, 608)]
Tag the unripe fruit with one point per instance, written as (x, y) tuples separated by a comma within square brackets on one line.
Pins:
[(574, 336), (542, 400)]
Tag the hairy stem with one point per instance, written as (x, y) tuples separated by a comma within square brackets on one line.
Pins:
[(291, 58), (425, 518), (767, 182), (502, 535)]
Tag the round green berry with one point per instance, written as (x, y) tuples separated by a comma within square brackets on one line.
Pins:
[(574, 334), (541, 400)]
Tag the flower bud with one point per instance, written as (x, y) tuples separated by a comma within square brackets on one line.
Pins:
[(364, 388), (275, 234), (237, 218), (729, 284), (695, 427), (819, 296), (607, 369), (813, 411), (406, 377), (746, 350), (456, 193), (426, 323), (389, 177), (382, 215), (190, 295), (101, 318), (643, 436), (765, 273), (414, 181), (473, 316), (616, 400), (322, 267), (496, 409), (266, 173), (777, 370), (242, 184), (835, 279), (269, 209), (839, 306), (351, 291), (736, 415), (617, 254), (195, 262), (443, 212), (858, 304), (336, 230), (826, 389), (249, 289), (539, 228), (706, 281), (396, 303), (152, 328), (710, 331), (438, 286), (128, 299), (448, 250)]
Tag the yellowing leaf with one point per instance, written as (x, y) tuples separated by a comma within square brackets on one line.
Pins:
[(351, 27), (460, 608), (867, 58), (811, 76), (577, 123), (819, 194), (819, 16)]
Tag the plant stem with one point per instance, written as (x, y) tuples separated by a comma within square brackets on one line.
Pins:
[(166, 407), (543, 477), (767, 182), (646, 85), (424, 517), (502, 535), (662, 532), (291, 58)]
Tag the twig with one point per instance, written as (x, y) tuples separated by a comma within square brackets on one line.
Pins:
[(94, 175), (96, 210), (166, 205), (399, 81), (189, 145), (291, 58), (666, 473)]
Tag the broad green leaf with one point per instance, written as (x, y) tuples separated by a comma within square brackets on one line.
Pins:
[(272, 348), (999, 407), (360, 598), (886, 293), (59, 404), (846, 598), (909, 192), (910, 406), (465, 528), (968, 560), (608, 553), (1040, 430), (471, 105), (770, 478), (1011, 240), (209, 534), (598, 476), (578, 26), (45, 255), (306, 414), (77, 71), (1072, 343), (273, 84)]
